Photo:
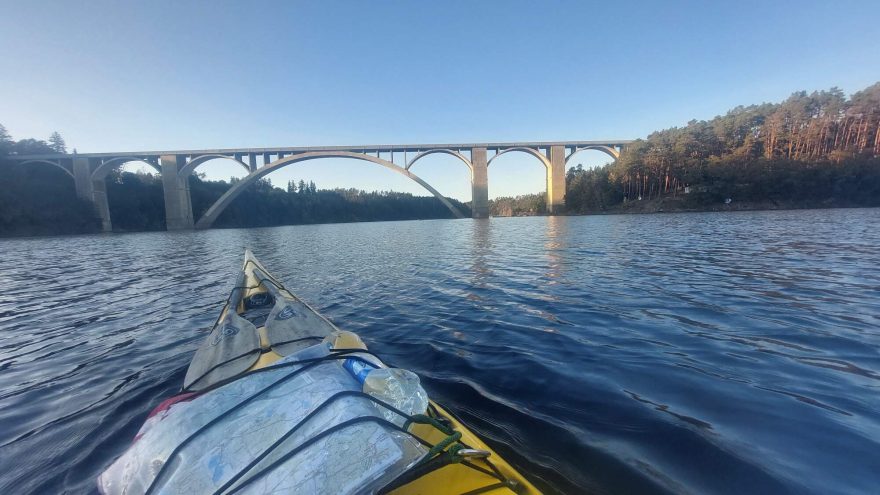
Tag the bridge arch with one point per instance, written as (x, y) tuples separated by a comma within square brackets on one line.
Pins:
[(608, 150), (55, 164), (194, 163), (217, 208), (104, 168), (442, 151), (542, 158), (531, 151)]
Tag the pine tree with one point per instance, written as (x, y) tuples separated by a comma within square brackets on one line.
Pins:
[(6, 141), (56, 142)]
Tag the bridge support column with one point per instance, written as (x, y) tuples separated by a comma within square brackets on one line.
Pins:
[(95, 192), (178, 203), (479, 184), (82, 178), (556, 180), (102, 204)]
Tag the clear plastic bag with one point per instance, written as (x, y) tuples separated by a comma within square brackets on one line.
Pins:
[(399, 388)]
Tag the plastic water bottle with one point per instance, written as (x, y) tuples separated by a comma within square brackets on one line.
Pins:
[(359, 368)]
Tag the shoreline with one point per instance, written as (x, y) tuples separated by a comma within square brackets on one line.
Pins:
[(677, 205), (653, 208), (644, 207)]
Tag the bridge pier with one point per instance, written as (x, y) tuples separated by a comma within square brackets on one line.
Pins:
[(93, 191), (178, 203), (102, 204), (479, 184), (556, 180)]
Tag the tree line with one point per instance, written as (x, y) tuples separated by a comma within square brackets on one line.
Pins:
[(816, 149), (30, 146), (40, 200), (517, 206), (137, 203), (264, 205)]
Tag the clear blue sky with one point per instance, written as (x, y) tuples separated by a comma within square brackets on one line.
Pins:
[(125, 75)]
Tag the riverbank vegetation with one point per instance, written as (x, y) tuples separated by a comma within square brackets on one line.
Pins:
[(817, 149), (518, 206), (263, 205), (137, 203), (40, 200)]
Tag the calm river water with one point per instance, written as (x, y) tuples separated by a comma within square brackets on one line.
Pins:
[(690, 353)]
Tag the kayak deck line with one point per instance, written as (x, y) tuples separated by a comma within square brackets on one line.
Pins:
[(266, 331)]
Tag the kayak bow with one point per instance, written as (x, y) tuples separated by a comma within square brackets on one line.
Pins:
[(268, 407)]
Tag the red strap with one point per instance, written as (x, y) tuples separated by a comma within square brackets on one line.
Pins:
[(167, 403)]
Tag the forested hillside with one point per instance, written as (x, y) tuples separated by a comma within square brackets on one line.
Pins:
[(136, 203), (517, 206), (40, 200), (813, 149)]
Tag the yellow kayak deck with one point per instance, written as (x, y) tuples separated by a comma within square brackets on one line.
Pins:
[(477, 475)]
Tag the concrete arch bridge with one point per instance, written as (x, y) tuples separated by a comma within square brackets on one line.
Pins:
[(89, 170)]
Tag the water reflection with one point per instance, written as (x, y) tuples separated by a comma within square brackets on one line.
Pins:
[(554, 245), (481, 252)]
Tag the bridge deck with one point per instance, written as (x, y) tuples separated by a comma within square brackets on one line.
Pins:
[(359, 148)]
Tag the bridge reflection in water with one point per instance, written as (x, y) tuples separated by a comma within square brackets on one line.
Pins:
[(89, 170)]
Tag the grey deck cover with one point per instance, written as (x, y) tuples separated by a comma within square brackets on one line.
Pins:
[(292, 320), (234, 340)]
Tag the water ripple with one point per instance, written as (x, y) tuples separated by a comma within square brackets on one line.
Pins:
[(685, 353)]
